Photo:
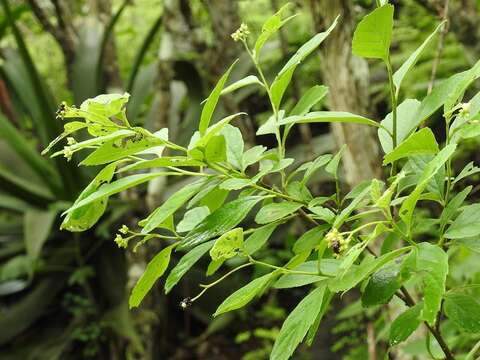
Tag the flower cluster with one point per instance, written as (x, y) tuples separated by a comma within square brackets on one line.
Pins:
[(68, 153), (241, 34), (61, 110), (336, 242), (121, 241)]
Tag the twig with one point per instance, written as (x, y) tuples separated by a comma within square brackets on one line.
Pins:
[(439, 51), (372, 353), (405, 296)]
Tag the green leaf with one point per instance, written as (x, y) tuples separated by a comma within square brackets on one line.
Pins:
[(447, 89), (419, 143), (279, 86), (228, 245), (297, 324), (332, 167), (115, 187), (467, 224), (37, 226), (177, 161), (298, 191), (270, 126), (362, 271), (355, 251), (407, 122), (328, 116), (466, 131), (212, 101), (464, 311), (259, 237), (98, 140), (307, 48), (459, 88), (309, 240), (405, 324), (68, 128), (85, 216), (385, 282), (432, 262), (323, 213), (198, 141), (244, 295), (453, 205), (235, 145), (467, 171), (373, 34), (105, 106), (309, 99), (185, 263), (214, 199), (297, 280), (412, 59), (408, 206), (269, 28), (343, 216), (252, 155), (155, 269), (216, 149), (314, 165), (117, 149), (327, 298), (170, 206), (386, 198), (275, 211), (214, 266), (192, 218), (235, 183), (283, 78), (221, 220), (248, 80)]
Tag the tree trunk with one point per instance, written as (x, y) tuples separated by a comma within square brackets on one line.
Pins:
[(348, 79)]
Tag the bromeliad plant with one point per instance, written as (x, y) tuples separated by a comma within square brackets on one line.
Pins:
[(341, 251)]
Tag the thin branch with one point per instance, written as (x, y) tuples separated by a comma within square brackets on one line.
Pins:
[(60, 32), (60, 11), (43, 18), (440, 45), (405, 296)]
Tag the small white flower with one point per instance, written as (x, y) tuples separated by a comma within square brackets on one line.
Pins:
[(241, 34), (68, 153), (121, 241), (124, 229)]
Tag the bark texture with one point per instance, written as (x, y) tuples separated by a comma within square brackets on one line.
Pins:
[(347, 78)]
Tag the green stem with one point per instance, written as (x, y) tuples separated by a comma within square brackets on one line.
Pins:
[(448, 117), (282, 269), (360, 228), (472, 352), (281, 149), (208, 286), (186, 172), (393, 99)]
